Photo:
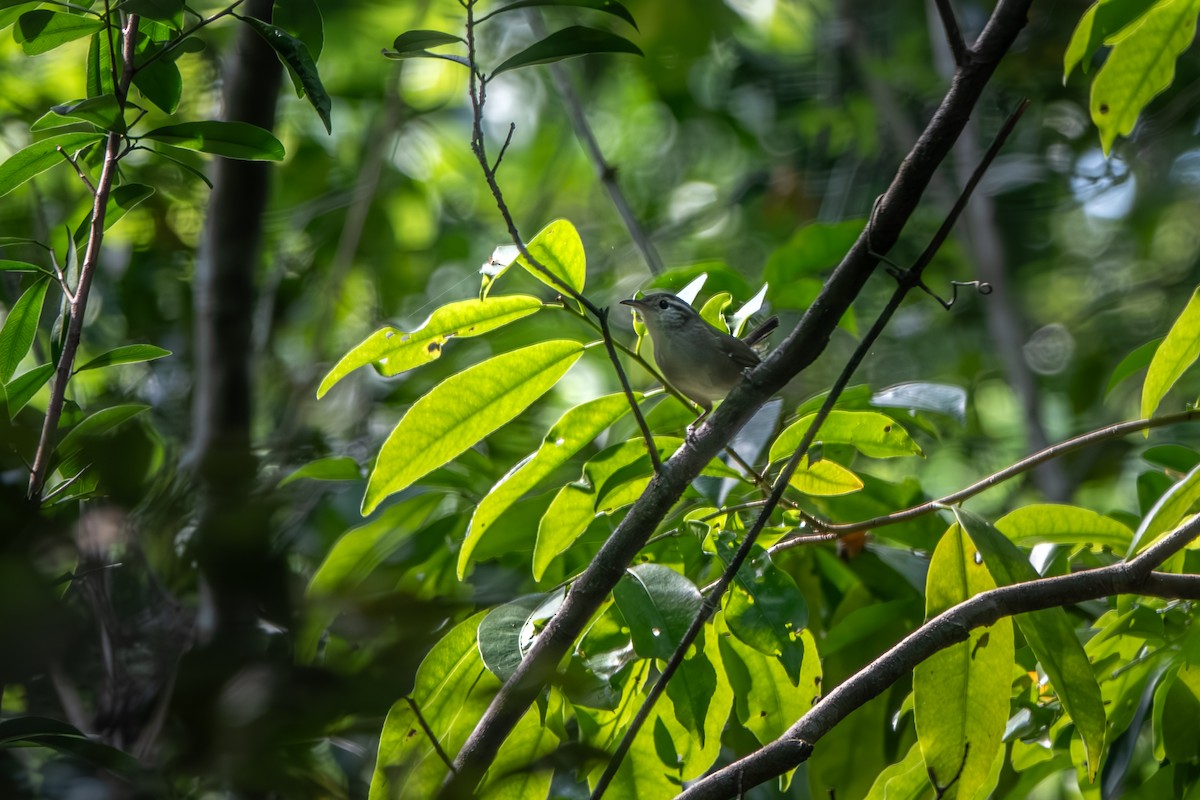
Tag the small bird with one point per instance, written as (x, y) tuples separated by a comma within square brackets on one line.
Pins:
[(703, 363)]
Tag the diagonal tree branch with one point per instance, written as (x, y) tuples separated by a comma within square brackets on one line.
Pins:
[(795, 353), (950, 627)]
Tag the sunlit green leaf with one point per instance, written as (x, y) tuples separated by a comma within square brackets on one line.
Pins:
[(1045, 523), (558, 248), (395, 351), (1168, 512), (21, 266), (961, 693), (871, 433), (41, 156), (519, 769), (1140, 66), (20, 327), (1137, 360), (573, 431), (1050, 635), (659, 605), (126, 354), (568, 43), (21, 389), (230, 139), (463, 409), (824, 478), (500, 634), (41, 31), (1101, 22), (1178, 351), (102, 111), (904, 780), (333, 468)]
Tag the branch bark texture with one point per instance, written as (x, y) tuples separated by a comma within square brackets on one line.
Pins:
[(795, 353)]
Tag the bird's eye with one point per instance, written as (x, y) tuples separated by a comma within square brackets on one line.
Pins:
[(663, 304)]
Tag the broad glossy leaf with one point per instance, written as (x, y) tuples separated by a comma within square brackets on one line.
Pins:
[(1178, 351), (558, 248), (301, 65), (713, 311), (1101, 22), (395, 351), (1046, 523), (99, 67), (20, 328), (961, 694), (920, 396), (453, 689), (1168, 512), (568, 517), (824, 479), (1141, 65), (230, 139), (689, 741), (41, 31), (160, 82), (333, 468), (126, 354), (121, 200), (500, 634), (568, 43), (21, 389), (1050, 635), (764, 608), (69, 453), (904, 780), (41, 156), (413, 43), (690, 692), (573, 431), (462, 410), (520, 769), (871, 433), (607, 6), (302, 19), (102, 111), (659, 605)]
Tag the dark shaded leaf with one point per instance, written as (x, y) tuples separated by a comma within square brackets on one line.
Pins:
[(300, 63), (230, 139), (41, 31), (127, 354), (607, 6), (568, 43)]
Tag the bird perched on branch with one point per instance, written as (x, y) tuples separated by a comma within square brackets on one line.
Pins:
[(703, 363)]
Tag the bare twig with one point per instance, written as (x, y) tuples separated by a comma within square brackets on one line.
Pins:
[(78, 303), (954, 37), (1024, 465), (437, 746), (75, 166), (176, 42)]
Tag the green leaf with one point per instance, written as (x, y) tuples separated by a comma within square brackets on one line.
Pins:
[(20, 328), (1137, 360), (121, 201), (1140, 66), (69, 453), (691, 690), (415, 43), (871, 433), (1101, 22), (102, 111), (394, 351), (230, 139), (568, 43), (519, 770), (813, 250), (1050, 635), (41, 31), (21, 389), (21, 266), (961, 694), (99, 67), (573, 431), (904, 780), (160, 81), (126, 354), (1046, 523), (688, 740), (300, 63), (1167, 513), (607, 6), (659, 605), (462, 410), (824, 478), (558, 248), (302, 19), (163, 10), (352, 559), (453, 689), (764, 607), (41, 156), (503, 637), (334, 468), (1178, 351)]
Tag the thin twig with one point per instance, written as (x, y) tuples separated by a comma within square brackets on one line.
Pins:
[(512, 128), (75, 166), (1024, 465), (78, 304), (907, 281), (176, 42), (954, 37), (437, 746)]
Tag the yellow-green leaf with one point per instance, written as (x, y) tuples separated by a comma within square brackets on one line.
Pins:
[(395, 351), (1047, 523), (1178, 351), (463, 409), (558, 248), (871, 433), (824, 479), (961, 693), (1168, 512)]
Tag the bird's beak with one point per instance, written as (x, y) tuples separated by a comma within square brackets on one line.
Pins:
[(633, 303)]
